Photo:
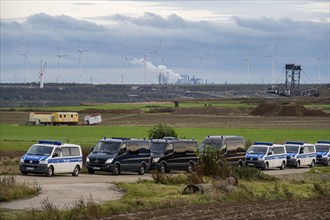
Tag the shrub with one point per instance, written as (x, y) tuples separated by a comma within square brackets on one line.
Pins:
[(248, 173), (160, 131)]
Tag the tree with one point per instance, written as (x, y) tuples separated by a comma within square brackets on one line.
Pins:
[(160, 131)]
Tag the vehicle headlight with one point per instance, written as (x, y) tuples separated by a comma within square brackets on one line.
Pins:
[(260, 158), (109, 160), (324, 156), (87, 159), (155, 160), (43, 162), (21, 160)]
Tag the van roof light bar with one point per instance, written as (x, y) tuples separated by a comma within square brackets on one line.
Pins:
[(323, 142), (295, 142), (50, 142), (120, 138), (263, 143)]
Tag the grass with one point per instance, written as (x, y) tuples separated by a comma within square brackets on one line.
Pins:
[(10, 189), (20, 138), (148, 195)]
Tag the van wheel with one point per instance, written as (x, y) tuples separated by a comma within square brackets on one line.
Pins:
[(142, 169), (282, 165), (312, 164), (50, 171), (90, 171), (76, 171), (266, 166), (298, 164), (116, 170), (190, 168), (162, 168)]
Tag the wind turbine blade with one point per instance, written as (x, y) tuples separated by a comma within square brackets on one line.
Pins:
[(323, 55), (27, 59), (44, 67), (315, 54)]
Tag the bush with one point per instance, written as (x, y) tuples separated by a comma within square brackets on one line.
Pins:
[(160, 131), (248, 173)]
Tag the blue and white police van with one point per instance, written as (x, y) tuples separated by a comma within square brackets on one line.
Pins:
[(300, 154), (266, 155), (323, 152), (50, 157)]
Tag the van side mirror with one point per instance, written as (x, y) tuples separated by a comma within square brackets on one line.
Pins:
[(55, 155)]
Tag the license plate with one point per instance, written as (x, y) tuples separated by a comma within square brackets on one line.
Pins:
[(30, 168), (96, 168), (250, 164)]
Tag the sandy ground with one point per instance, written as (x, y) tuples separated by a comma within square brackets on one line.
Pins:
[(65, 190)]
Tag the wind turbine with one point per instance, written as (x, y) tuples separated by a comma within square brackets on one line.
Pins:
[(81, 51), (201, 58), (124, 76), (157, 55), (318, 58), (25, 58), (59, 66), (272, 56), (41, 74), (248, 60), (145, 64)]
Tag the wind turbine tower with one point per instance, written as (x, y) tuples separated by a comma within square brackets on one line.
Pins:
[(201, 58), (41, 74), (81, 51), (318, 59), (124, 76), (59, 66), (25, 58), (157, 55)]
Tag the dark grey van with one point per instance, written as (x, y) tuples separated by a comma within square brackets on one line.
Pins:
[(119, 154), (231, 147), (173, 154)]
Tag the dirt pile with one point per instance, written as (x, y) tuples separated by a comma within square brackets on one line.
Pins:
[(291, 109), (208, 110)]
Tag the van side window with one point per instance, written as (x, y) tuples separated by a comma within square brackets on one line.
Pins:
[(57, 152), (133, 148), (65, 151), (311, 149), (143, 147), (191, 147), (123, 149), (74, 151), (169, 148), (181, 148), (278, 150), (306, 149)]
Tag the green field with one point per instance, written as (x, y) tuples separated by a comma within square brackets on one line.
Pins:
[(15, 137)]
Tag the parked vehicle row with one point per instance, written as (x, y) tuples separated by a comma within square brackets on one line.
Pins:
[(118, 155)]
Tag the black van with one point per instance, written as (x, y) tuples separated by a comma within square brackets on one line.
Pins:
[(119, 154), (231, 147), (173, 154)]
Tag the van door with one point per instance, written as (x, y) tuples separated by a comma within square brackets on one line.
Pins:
[(56, 160), (170, 158)]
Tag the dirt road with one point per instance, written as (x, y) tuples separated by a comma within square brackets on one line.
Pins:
[(65, 190)]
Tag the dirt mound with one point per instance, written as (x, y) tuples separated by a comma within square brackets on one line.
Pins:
[(291, 109), (112, 111), (208, 110)]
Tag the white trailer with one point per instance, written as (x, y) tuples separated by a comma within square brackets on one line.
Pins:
[(92, 119)]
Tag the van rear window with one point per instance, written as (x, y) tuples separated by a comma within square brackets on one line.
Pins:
[(70, 151)]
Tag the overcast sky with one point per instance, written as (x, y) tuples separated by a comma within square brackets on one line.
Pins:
[(228, 34)]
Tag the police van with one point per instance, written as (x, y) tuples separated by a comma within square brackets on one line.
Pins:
[(50, 157), (232, 148), (323, 152), (119, 154), (300, 154), (266, 155), (173, 154)]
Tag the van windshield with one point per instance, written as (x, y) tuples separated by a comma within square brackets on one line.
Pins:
[(322, 148), (158, 148), (257, 150), (107, 147), (40, 150), (291, 149)]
